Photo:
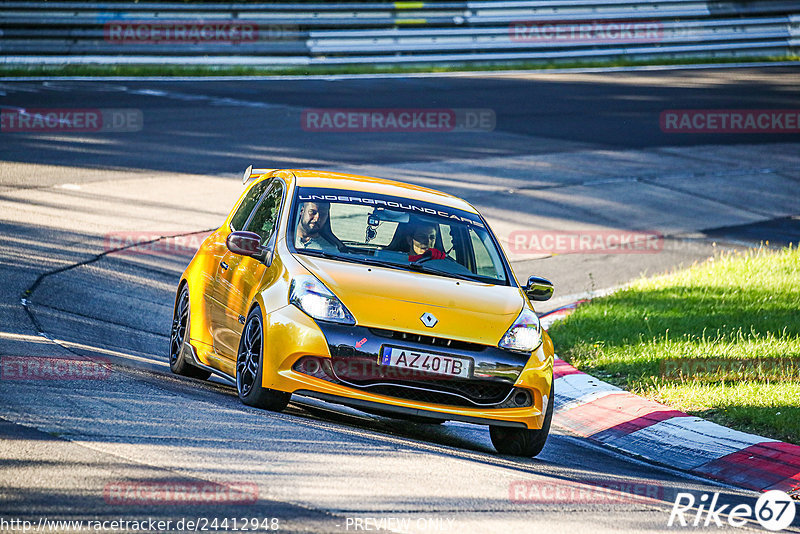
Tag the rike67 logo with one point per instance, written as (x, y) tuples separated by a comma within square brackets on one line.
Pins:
[(774, 510)]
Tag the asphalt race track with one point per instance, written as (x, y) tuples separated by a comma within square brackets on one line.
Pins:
[(564, 152)]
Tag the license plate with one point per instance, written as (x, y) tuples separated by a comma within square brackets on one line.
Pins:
[(426, 362)]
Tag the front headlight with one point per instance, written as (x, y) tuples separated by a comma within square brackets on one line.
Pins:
[(316, 300), (525, 335)]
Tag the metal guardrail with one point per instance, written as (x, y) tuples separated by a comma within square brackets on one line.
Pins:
[(399, 32)]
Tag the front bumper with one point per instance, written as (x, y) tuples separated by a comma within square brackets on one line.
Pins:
[(388, 409), (506, 389)]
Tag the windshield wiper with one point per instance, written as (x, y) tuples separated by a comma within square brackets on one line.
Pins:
[(413, 266), (381, 263), (422, 268), (320, 253), (355, 259)]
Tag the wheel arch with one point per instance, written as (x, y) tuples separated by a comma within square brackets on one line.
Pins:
[(258, 303), (198, 326), (181, 284)]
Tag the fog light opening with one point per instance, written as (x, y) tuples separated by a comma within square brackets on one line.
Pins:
[(521, 398)]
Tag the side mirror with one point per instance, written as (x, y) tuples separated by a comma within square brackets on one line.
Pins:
[(244, 243), (538, 288)]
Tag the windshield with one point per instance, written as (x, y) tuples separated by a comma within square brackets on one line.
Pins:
[(396, 233)]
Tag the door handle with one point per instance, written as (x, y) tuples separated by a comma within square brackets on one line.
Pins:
[(224, 266)]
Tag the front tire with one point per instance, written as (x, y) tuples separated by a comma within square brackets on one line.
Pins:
[(250, 368), (179, 339), (523, 441)]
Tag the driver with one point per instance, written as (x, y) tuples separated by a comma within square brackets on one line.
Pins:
[(313, 216), (421, 242)]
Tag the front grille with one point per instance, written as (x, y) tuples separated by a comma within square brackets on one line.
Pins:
[(441, 390), (476, 393), (433, 397), (428, 340)]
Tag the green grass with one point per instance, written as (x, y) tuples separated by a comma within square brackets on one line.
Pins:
[(182, 70), (738, 306)]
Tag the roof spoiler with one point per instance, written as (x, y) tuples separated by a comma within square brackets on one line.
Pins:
[(250, 173)]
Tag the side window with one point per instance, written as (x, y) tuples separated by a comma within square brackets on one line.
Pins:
[(266, 215), (488, 262), (446, 231), (248, 203)]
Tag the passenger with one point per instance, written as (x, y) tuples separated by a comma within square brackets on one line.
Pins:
[(422, 241), (309, 235)]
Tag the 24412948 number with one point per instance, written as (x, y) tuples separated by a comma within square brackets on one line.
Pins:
[(233, 524)]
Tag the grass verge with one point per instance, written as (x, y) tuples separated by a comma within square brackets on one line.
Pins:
[(184, 70), (720, 340)]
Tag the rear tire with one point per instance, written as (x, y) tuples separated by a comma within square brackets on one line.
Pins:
[(179, 339), (250, 367), (523, 441)]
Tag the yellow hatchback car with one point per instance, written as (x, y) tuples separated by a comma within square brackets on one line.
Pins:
[(387, 297)]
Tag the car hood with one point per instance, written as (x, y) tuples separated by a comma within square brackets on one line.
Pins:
[(394, 299)]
